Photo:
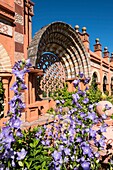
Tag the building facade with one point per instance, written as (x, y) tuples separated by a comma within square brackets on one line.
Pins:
[(15, 36), (57, 52)]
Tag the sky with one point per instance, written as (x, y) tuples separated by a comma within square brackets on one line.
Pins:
[(95, 15)]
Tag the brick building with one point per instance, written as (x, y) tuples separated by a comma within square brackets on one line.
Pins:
[(58, 49), (15, 35)]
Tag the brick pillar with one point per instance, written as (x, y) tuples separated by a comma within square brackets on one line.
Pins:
[(98, 48), (111, 58), (85, 38), (106, 53)]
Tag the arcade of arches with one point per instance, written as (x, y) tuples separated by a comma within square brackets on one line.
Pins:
[(57, 52)]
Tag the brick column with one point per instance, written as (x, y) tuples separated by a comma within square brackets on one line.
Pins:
[(106, 53)]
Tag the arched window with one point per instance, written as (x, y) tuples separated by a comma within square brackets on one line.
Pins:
[(104, 84), (94, 81)]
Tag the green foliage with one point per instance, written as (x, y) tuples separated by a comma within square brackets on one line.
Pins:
[(63, 94), (110, 99), (37, 157), (94, 95), (1, 99), (50, 111)]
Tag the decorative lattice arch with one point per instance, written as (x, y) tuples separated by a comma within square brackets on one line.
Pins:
[(5, 64), (61, 40)]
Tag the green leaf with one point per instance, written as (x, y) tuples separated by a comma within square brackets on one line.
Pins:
[(43, 165), (28, 164)]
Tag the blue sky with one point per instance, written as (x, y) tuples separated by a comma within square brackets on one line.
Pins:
[(96, 15)]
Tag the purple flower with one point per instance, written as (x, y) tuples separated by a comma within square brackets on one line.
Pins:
[(8, 140), (79, 139), (13, 163), (5, 131), (19, 133), (22, 154), (86, 150), (86, 88), (15, 122), (97, 155), (85, 165), (57, 102), (85, 101), (62, 101), (104, 116), (92, 133), (15, 87), (23, 86), (78, 106), (82, 93), (76, 82), (82, 114), (67, 151), (107, 107), (81, 74), (66, 159), (76, 97), (90, 107), (28, 63), (91, 115), (87, 80), (56, 155), (101, 142), (60, 117), (47, 142), (61, 147), (19, 74)]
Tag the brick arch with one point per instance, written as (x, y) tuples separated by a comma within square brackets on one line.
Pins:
[(97, 72), (5, 63), (62, 40)]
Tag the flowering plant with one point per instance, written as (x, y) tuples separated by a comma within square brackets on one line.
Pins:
[(10, 154), (70, 142), (76, 141)]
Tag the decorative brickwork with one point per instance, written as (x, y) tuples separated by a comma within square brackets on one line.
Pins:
[(19, 47), (18, 19), (18, 9), (5, 28), (18, 56), (19, 2), (19, 28), (18, 37), (4, 60)]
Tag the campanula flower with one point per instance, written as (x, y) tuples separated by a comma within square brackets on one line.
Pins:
[(21, 155)]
